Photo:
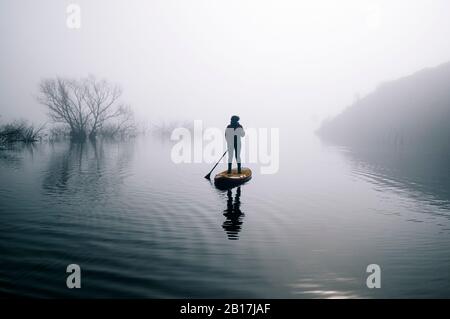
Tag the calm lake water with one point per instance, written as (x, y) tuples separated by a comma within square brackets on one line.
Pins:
[(140, 226)]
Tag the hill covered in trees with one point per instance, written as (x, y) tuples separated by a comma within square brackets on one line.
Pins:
[(401, 132), (411, 113)]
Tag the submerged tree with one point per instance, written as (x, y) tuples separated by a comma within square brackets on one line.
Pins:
[(20, 131), (84, 105)]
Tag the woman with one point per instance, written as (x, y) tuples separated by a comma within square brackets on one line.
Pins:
[(233, 134)]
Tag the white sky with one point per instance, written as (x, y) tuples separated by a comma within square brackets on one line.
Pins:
[(268, 61)]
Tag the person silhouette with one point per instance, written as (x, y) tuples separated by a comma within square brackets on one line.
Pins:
[(232, 225), (233, 134)]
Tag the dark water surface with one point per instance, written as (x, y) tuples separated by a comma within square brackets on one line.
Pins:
[(140, 226)]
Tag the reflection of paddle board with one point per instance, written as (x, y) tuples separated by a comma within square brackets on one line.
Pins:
[(224, 180)]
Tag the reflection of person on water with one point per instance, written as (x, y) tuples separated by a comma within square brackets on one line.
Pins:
[(233, 134), (233, 213)]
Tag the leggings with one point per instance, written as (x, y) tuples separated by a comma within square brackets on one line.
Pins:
[(234, 147)]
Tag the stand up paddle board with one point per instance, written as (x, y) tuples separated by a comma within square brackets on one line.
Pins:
[(224, 180)]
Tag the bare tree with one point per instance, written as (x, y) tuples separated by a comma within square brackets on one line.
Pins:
[(123, 125), (65, 101), (20, 131), (102, 101), (84, 105)]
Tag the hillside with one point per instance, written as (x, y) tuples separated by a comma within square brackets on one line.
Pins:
[(411, 113)]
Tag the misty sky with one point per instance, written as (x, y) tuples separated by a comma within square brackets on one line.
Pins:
[(269, 61)]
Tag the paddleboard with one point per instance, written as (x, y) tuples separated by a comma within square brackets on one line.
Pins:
[(224, 180)]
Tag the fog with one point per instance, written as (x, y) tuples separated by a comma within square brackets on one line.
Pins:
[(346, 110), (271, 62)]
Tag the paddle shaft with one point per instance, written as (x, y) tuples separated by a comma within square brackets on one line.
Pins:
[(209, 174)]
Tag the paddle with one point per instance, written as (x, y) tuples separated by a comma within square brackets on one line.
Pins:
[(208, 176)]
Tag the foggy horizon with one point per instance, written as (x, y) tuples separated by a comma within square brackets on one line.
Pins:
[(287, 61)]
